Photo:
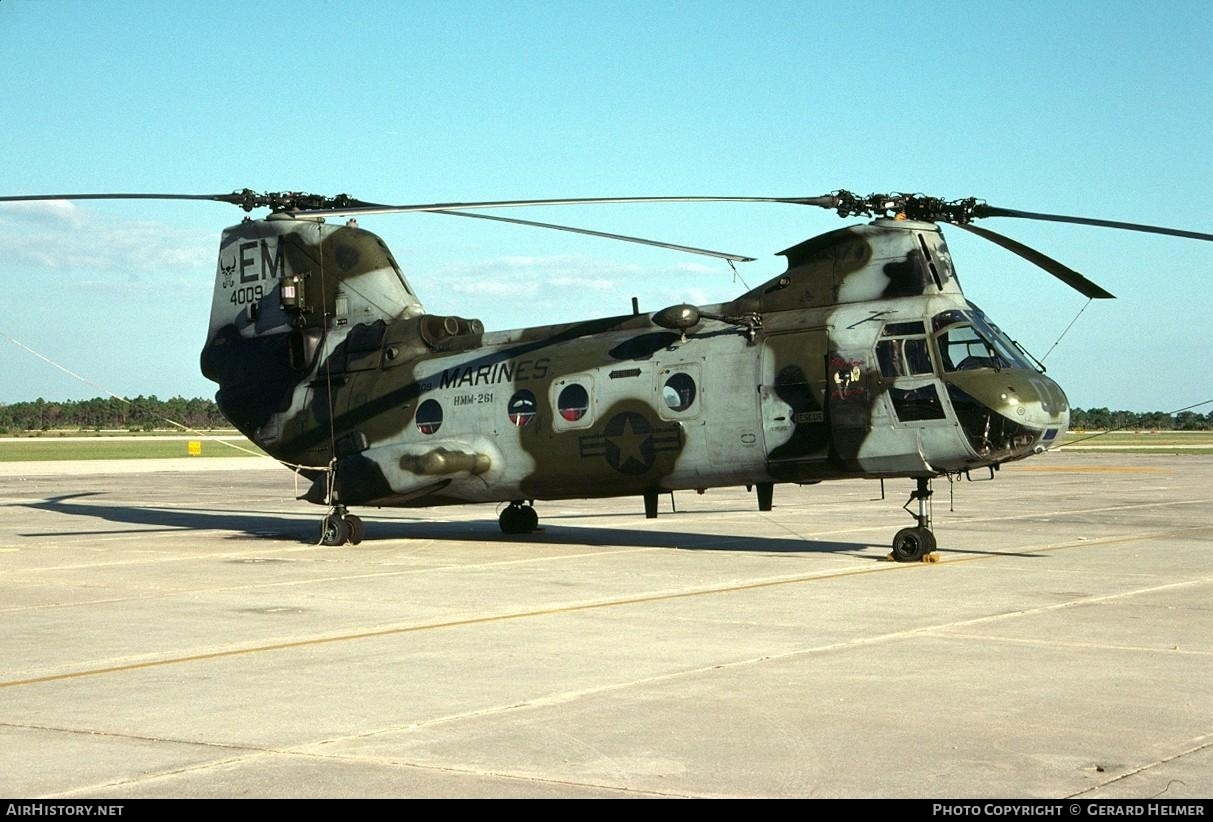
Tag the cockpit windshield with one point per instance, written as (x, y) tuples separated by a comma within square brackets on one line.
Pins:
[(968, 340)]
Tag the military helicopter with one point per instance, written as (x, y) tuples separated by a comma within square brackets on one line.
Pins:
[(863, 359)]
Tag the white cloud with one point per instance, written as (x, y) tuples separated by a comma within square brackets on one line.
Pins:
[(60, 236), (526, 277), (516, 288), (695, 268), (593, 284), (695, 296), (518, 291), (42, 211)]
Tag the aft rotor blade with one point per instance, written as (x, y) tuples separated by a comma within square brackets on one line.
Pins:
[(20, 198), (994, 211), (247, 199), (689, 249), (1064, 273), (826, 201)]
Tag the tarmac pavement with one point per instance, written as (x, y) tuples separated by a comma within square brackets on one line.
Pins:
[(172, 631)]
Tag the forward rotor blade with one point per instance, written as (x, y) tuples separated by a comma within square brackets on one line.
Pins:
[(689, 249), (378, 208), (1064, 273), (994, 211)]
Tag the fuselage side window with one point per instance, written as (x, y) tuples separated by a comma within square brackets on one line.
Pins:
[(573, 402), (679, 391), (522, 409), (429, 417)]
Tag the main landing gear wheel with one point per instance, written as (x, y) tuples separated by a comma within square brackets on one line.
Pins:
[(338, 528), (518, 518), (912, 544)]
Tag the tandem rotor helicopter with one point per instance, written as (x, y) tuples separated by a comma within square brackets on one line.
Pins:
[(863, 359)]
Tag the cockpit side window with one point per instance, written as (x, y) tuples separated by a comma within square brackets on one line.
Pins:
[(888, 354), (967, 340), (962, 348), (945, 318), (903, 351), (918, 355), (1007, 349)]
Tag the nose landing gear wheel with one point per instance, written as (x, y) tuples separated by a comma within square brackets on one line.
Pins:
[(339, 527), (357, 529), (912, 544), (334, 530), (915, 544)]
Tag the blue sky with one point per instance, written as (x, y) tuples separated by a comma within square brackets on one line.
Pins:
[(1096, 109)]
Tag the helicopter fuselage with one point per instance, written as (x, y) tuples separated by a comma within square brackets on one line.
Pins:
[(863, 360)]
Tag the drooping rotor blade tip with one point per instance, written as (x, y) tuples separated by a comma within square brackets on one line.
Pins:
[(994, 211), (1062, 272)]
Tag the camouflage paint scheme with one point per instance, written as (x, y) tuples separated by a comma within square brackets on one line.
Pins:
[(853, 363)]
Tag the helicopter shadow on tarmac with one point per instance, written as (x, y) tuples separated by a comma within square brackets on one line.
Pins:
[(284, 528)]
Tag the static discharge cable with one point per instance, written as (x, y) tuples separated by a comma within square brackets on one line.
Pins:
[(118, 397), (1065, 331), (1123, 427)]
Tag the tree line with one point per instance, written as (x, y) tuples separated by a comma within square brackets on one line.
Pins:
[(151, 413), (1102, 419), (109, 414)]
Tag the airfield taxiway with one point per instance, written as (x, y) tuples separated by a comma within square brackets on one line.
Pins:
[(171, 631)]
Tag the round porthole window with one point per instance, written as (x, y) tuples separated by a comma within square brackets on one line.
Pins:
[(522, 408), (429, 417), (573, 402), (679, 392)]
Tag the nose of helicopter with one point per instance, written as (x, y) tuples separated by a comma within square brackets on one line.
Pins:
[(1009, 414), (1038, 403)]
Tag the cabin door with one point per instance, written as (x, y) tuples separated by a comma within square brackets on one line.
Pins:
[(792, 384)]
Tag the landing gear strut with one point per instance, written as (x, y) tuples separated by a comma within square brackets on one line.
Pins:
[(340, 527), (912, 544), (518, 518), (766, 493)]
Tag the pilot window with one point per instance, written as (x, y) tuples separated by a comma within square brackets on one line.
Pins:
[(429, 417), (968, 341), (1008, 350), (904, 329), (888, 354), (962, 349), (918, 356), (901, 355), (921, 403)]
